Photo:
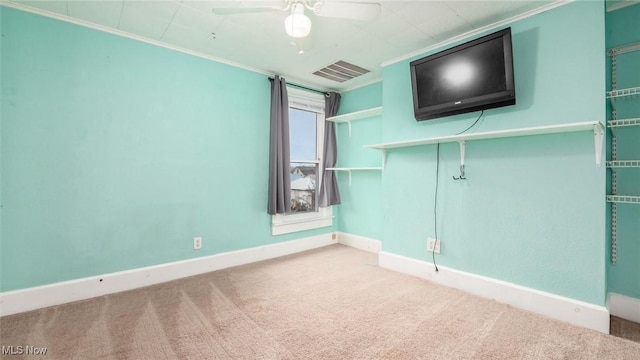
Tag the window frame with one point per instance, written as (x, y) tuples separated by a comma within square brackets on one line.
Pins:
[(323, 216)]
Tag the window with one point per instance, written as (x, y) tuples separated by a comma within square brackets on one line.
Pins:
[(306, 134), (303, 140)]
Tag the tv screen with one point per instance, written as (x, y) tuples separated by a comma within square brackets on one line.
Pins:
[(473, 76)]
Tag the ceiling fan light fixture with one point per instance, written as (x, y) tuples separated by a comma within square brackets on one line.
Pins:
[(297, 24)]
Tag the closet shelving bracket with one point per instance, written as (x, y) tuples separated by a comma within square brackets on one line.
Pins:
[(624, 199), (624, 122), (623, 164), (617, 94), (614, 125)]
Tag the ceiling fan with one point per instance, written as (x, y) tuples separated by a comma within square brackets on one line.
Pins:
[(297, 24)]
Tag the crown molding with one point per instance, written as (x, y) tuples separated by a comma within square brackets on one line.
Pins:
[(125, 34), (478, 31)]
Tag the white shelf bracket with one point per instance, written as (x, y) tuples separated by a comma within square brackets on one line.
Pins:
[(462, 148), (598, 137), (349, 171), (384, 158), (349, 125)]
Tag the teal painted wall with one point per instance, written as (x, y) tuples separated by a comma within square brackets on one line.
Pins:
[(532, 211), (623, 28), (360, 212), (116, 153)]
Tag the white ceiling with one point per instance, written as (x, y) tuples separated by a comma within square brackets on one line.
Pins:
[(258, 40)]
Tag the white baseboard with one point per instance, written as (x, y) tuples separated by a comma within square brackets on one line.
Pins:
[(624, 307), (557, 307), (360, 242), (17, 301)]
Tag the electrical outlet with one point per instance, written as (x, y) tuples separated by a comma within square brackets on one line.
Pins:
[(433, 245), (197, 243)]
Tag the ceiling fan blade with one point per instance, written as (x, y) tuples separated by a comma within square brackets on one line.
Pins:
[(245, 7), (233, 11), (347, 10)]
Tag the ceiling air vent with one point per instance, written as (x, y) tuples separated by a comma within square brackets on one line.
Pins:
[(341, 71)]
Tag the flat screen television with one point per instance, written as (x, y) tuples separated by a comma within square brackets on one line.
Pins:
[(473, 76)]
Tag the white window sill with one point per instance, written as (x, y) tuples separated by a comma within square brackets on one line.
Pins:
[(285, 224)]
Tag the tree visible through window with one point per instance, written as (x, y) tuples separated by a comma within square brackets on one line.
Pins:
[(303, 139)]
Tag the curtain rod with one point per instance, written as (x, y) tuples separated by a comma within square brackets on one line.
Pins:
[(304, 87)]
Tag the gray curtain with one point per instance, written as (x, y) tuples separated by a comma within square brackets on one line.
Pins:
[(329, 193), (279, 178)]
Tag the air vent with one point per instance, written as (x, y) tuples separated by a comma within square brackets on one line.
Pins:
[(341, 71)]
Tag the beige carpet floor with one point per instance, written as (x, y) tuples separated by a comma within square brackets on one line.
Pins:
[(329, 303), (625, 329)]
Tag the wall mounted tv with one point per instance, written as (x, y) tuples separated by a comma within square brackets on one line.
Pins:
[(473, 76)]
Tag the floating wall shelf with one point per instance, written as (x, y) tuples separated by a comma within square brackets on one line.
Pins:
[(348, 118), (350, 169), (357, 115), (595, 126)]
